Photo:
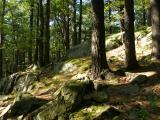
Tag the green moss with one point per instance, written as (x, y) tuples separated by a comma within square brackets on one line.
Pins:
[(88, 113)]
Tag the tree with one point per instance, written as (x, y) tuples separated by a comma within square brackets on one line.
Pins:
[(99, 62), (155, 5), (47, 35), (2, 37), (37, 36), (80, 21), (74, 36), (31, 32), (41, 37), (129, 38)]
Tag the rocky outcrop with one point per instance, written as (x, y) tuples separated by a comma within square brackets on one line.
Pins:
[(20, 81), (22, 105), (67, 98)]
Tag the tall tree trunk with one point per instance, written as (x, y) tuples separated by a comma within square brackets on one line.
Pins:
[(74, 36), (99, 62), (155, 4), (37, 37), (67, 28), (47, 35), (31, 33), (80, 22), (40, 47), (110, 18), (129, 38), (122, 18), (2, 37), (144, 12), (149, 16)]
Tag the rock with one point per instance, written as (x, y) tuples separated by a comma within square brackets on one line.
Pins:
[(19, 81), (120, 73), (99, 85), (68, 67), (140, 79), (129, 89), (24, 104), (80, 76), (124, 89), (101, 112), (67, 98), (100, 97)]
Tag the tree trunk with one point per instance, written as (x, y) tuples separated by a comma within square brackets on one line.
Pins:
[(47, 35), (144, 12), (149, 16), (99, 62), (155, 4), (31, 34), (80, 22), (2, 37), (122, 17), (129, 38), (40, 47), (110, 18), (37, 37), (74, 36)]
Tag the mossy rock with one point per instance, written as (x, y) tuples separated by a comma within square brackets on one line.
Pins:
[(95, 112), (140, 79), (24, 104), (66, 99)]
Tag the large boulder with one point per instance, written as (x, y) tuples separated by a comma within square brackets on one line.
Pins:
[(18, 82), (67, 98), (22, 105), (140, 79)]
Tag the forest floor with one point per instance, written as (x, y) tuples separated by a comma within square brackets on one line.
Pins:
[(144, 103), (134, 101)]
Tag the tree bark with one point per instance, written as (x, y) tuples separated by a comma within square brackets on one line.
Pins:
[(47, 35), (40, 47), (31, 34), (110, 18), (144, 12), (80, 22), (129, 38), (149, 16), (37, 37), (122, 17), (2, 37), (99, 62), (155, 4), (74, 36), (67, 43)]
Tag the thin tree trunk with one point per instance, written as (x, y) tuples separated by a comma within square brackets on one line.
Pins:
[(99, 62), (155, 4), (2, 38), (149, 16), (31, 33), (67, 43), (144, 13), (129, 38), (40, 47), (110, 18), (122, 17), (80, 22), (74, 36), (37, 37), (47, 35)]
